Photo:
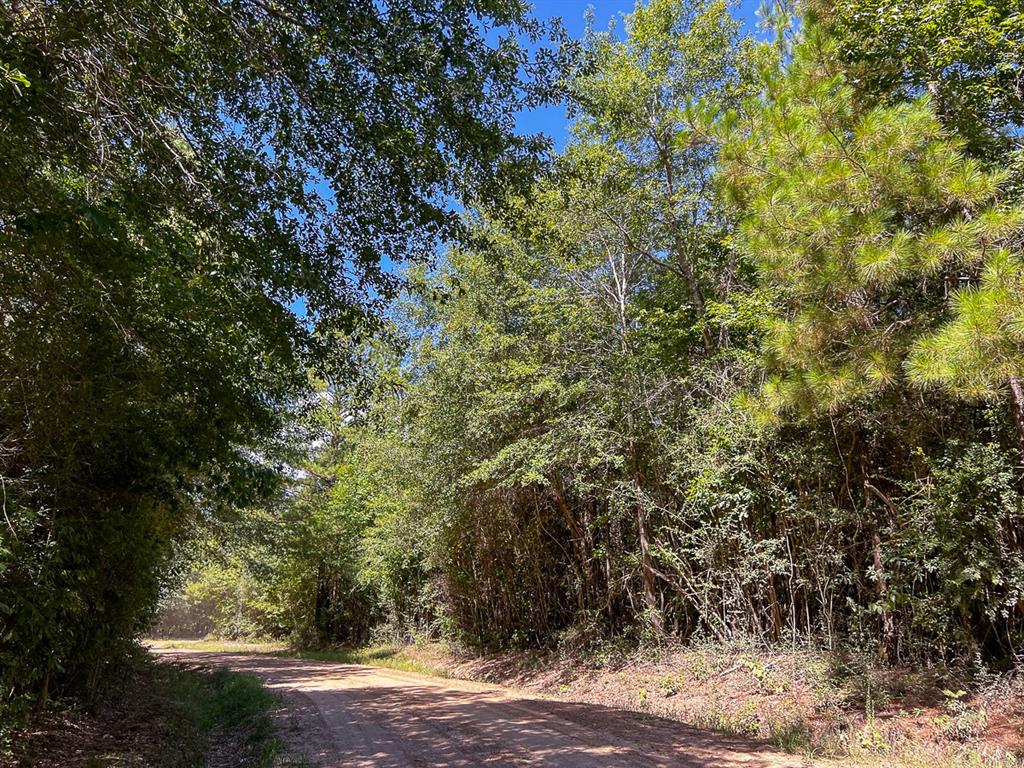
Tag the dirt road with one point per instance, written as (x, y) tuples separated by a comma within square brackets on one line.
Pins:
[(361, 717)]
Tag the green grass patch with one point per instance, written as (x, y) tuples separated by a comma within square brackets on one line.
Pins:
[(218, 713), (158, 715)]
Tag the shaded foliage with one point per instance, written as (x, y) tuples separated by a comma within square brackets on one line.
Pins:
[(738, 366), (966, 54), (746, 361), (196, 201)]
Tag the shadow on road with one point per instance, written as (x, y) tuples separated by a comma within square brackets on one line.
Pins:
[(349, 715)]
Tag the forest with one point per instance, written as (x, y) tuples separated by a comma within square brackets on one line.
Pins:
[(302, 339)]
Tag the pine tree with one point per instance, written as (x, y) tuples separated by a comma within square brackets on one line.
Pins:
[(888, 253), (981, 348)]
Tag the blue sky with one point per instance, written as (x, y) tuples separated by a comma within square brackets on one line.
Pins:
[(552, 120)]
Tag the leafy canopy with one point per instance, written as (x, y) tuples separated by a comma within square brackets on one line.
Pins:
[(198, 203)]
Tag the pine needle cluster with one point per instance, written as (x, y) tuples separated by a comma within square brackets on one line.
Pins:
[(889, 251)]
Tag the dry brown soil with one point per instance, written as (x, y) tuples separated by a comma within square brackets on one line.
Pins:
[(337, 714)]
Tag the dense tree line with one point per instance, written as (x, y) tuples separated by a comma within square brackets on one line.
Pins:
[(745, 362), (196, 200)]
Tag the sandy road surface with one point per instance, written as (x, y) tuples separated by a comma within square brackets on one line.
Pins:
[(338, 715)]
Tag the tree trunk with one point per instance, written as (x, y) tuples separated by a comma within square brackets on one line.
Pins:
[(776, 612), (1017, 410), (882, 584), (320, 605), (888, 625), (44, 693), (647, 568), (696, 295), (580, 545)]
